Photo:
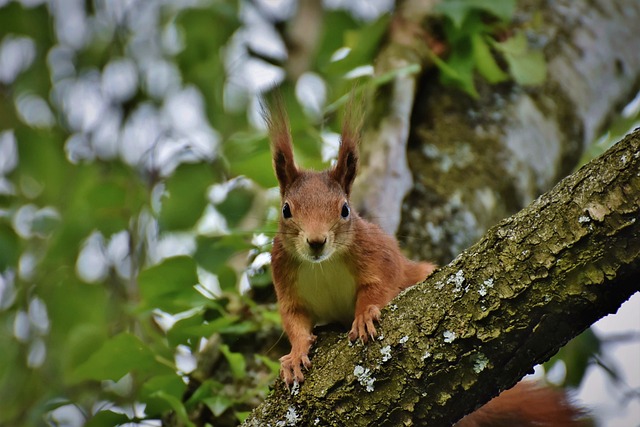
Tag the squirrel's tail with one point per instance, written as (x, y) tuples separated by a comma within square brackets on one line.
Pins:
[(416, 272), (527, 405)]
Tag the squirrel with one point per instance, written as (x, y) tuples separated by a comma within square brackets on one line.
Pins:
[(329, 265)]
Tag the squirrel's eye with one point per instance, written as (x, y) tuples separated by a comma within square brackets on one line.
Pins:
[(345, 211), (286, 211)]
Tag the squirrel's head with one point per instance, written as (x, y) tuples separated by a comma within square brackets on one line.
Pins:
[(316, 216)]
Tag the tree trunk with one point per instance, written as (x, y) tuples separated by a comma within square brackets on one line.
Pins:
[(476, 326), (473, 162)]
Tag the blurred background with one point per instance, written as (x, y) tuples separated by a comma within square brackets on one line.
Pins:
[(138, 203)]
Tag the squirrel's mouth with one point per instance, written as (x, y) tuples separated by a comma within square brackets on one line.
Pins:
[(314, 250), (317, 258)]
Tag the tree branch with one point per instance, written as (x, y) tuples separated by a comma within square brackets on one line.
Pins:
[(476, 326)]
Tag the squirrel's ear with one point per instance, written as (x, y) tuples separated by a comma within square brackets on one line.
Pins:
[(347, 164), (281, 144)]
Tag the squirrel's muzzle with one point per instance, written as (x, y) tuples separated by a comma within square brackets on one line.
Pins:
[(316, 246)]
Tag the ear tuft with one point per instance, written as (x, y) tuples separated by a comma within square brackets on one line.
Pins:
[(346, 166), (277, 120)]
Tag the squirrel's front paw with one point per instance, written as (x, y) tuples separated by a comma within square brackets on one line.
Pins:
[(363, 326), (291, 367)]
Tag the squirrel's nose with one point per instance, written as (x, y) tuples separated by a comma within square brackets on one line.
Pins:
[(317, 245)]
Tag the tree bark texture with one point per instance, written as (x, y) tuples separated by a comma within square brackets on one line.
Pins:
[(385, 178), (476, 326), (474, 162)]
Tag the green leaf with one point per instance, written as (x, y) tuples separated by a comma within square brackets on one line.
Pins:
[(102, 196), (340, 22), (107, 419), (240, 328), (218, 404), (171, 384), (9, 247), (43, 170), (227, 278), (213, 253), (362, 40), (118, 356), (458, 10), (485, 62), (185, 199), (172, 388), (207, 389), (180, 331), (170, 284), (36, 23), (502, 9), (273, 365), (236, 205), (515, 45), (107, 201), (528, 67), (81, 343), (203, 31), (577, 356), (242, 415), (191, 329), (248, 154), (261, 280), (236, 362), (271, 317), (457, 71), (175, 404)]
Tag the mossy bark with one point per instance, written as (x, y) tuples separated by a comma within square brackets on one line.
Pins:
[(476, 326)]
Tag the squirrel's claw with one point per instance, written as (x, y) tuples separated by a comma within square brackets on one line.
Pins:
[(363, 325), (291, 367)]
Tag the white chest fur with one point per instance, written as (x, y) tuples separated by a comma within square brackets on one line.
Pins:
[(329, 290)]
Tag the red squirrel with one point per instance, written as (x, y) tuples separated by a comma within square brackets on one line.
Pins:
[(329, 265)]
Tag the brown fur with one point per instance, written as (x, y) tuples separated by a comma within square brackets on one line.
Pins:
[(371, 257), (526, 405)]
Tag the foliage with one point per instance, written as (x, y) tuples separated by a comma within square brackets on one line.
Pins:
[(100, 301), (481, 40)]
